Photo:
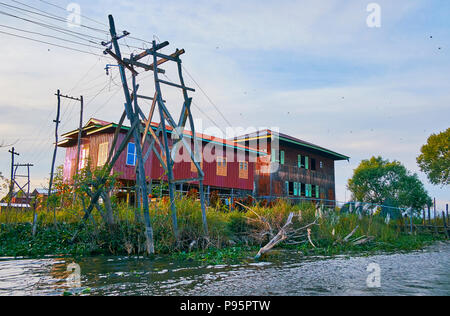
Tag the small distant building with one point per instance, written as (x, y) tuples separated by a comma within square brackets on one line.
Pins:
[(16, 203), (40, 193)]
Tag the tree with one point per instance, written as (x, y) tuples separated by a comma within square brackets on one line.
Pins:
[(377, 181), (435, 158)]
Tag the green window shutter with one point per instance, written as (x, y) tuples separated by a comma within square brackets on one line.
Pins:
[(299, 161), (287, 188), (276, 155), (295, 188), (282, 157), (317, 192), (306, 163)]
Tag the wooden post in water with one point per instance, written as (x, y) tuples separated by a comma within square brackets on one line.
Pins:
[(424, 218), (448, 219), (435, 218), (445, 224), (411, 220), (35, 218)]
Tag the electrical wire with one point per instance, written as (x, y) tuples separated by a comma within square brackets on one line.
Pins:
[(55, 28), (206, 95), (65, 10), (52, 112), (95, 21), (45, 35), (53, 17), (52, 44), (92, 39)]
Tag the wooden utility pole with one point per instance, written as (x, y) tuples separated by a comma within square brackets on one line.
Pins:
[(133, 117), (80, 134), (137, 117), (27, 176), (57, 121), (11, 185)]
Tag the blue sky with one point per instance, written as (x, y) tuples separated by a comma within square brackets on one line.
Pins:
[(312, 68)]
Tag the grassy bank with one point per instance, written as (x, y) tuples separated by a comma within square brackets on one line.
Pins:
[(233, 236)]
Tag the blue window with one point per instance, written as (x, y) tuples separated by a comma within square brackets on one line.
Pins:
[(131, 154)]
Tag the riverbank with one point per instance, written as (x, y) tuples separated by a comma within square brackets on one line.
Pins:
[(233, 236), (16, 241)]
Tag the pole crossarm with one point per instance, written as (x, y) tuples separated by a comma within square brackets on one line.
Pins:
[(142, 65), (151, 51), (70, 98), (121, 62)]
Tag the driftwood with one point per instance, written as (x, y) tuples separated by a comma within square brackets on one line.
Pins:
[(280, 237), (346, 239), (362, 240), (309, 238), (284, 234)]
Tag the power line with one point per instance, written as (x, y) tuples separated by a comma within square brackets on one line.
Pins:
[(56, 28), (65, 10), (52, 44), (201, 111), (206, 95), (46, 35), (96, 21), (37, 153), (46, 15), (107, 101)]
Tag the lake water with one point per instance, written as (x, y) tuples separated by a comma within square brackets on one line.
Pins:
[(420, 273)]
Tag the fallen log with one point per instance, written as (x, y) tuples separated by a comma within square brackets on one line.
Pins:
[(363, 240), (284, 234), (280, 237)]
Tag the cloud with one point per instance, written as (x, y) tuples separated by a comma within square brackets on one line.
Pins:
[(313, 68)]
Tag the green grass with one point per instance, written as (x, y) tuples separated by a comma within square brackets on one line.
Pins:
[(231, 238)]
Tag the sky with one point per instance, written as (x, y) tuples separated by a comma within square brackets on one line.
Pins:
[(313, 69)]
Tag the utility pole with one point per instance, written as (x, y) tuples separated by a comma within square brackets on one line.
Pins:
[(11, 186), (165, 116), (80, 132), (27, 176), (137, 117), (57, 121)]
